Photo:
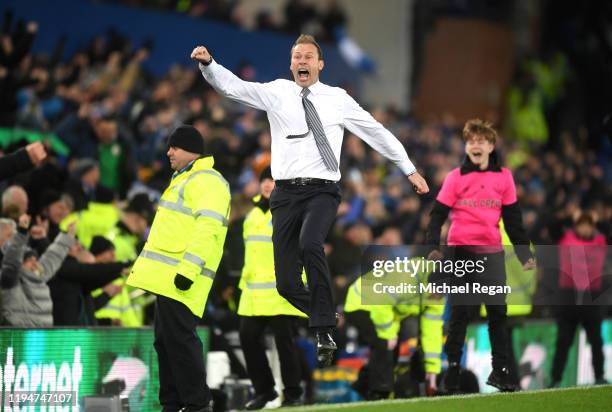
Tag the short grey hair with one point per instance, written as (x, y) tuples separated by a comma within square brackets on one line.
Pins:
[(5, 222), (10, 191)]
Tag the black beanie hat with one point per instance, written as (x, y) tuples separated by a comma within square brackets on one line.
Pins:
[(265, 174), (100, 244), (188, 138)]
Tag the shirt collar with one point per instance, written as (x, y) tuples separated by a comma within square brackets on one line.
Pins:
[(201, 163), (469, 167), (184, 169), (314, 88), (188, 167)]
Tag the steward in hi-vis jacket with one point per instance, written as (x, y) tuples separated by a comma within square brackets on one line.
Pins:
[(178, 264), (261, 306), (378, 320)]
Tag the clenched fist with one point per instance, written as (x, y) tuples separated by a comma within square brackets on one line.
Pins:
[(201, 55), (36, 152), (24, 221)]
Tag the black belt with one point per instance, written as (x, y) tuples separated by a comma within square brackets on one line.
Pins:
[(303, 181)]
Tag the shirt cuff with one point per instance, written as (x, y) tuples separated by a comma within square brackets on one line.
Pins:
[(206, 67), (407, 167)]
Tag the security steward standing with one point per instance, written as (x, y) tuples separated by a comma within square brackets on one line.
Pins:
[(178, 264), (262, 306)]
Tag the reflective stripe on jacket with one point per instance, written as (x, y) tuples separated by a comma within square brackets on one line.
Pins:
[(129, 312), (258, 282), (186, 237), (387, 318)]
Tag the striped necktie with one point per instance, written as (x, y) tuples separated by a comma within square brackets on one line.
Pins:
[(314, 124)]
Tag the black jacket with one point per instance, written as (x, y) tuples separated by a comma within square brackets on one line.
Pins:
[(71, 290), (14, 163)]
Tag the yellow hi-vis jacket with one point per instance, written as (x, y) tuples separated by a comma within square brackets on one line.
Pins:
[(522, 282), (128, 311), (258, 283), (387, 317), (186, 237), (96, 220)]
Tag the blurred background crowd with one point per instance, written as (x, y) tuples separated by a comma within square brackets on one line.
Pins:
[(105, 117), (295, 17)]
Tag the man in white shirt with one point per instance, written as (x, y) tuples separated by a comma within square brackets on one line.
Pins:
[(307, 120)]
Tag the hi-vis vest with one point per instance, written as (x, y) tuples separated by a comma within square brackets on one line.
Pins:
[(258, 282), (522, 282), (120, 306), (387, 318), (96, 220), (186, 237)]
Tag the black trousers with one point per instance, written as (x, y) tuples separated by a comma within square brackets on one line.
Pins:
[(182, 375), (568, 319), (513, 366), (382, 360), (252, 333), (301, 219), (463, 305)]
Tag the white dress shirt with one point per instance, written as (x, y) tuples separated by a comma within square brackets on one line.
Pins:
[(281, 100)]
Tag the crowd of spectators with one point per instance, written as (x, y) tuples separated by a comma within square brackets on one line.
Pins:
[(298, 16), (114, 117)]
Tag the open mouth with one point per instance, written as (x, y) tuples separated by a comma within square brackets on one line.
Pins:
[(477, 155), (303, 74)]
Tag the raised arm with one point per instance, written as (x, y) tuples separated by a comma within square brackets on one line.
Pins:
[(55, 254), (226, 83), (21, 160)]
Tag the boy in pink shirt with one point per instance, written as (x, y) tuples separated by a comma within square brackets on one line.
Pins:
[(477, 195)]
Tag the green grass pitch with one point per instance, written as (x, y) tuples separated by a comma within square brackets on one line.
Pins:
[(585, 398)]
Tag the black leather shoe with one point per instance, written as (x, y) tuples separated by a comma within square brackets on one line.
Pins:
[(501, 380), (451, 380), (325, 349), (259, 401), (287, 402)]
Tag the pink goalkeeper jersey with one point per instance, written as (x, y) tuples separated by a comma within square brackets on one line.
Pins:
[(476, 200)]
